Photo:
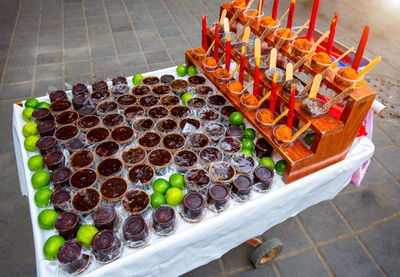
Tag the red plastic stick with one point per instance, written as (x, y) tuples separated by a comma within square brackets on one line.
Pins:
[(332, 34), (360, 49), (241, 69), (216, 31), (204, 38), (291, 15), (275, 9), (228, 54), (256, 80), (247, 2), (313, 18), (291, 107), (274, 88)]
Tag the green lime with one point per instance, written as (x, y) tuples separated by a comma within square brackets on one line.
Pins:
[(246, 151), (160, 185), (51, 246), (40, 179), (181, 70), (309, 138), (137, 79), (176, 180), (43, 105), (35, 163), (192, 70), (27, 114), (249, 133), (236, 118), (243, 126), (30, 129), (247, 144), (280, 167), (185, 97), (174, 196), (47, 218), (268, 161), (157, 199), (31, 103), (42, 197), (85, 235), (30, 143)]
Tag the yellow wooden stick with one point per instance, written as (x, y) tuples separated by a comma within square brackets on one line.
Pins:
[(301, 29), (282, 17), (344, 54), (221, 59), (246, 87), (209, 48), (321, 39), (223, 15), (257, 48), (369, 66), (249, 5), (272, 59), (246, 34), (299, 132), (289, 72), (233, 73), (284, 113), (226, 25), (315, 86), (264, 98)]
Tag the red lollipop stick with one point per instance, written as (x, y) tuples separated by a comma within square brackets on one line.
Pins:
[(313, 18), (291, 107), (291, 14), (332, 34), (204, 38), (274, 88), (216, 39), (275, 9), (228, 54), (247, 2), (360, 49), (256, 78), (241, 69)]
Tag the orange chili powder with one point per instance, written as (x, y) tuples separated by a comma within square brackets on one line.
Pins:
[(283, 133), (322, 57), (210, 61), (252, 13), (265, 116), (249, 100), (348, 73), (239, 3), (199, 50), (235, 86), (222, 73), (302, 44), (280, 33), (267, 21)]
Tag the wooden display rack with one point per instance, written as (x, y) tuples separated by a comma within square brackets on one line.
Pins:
[(333, 138)]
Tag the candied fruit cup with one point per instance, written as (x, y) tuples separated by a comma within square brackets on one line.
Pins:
[(283, 143), (339, 79), (263, 124)]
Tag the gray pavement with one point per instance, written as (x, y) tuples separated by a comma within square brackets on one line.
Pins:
[(53, 42)]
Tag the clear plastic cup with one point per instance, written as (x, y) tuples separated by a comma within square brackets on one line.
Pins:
[(98, 96), (263, 63), (86, 200), (222, 172), (199, 53), (280, 141), (113, 189), (246, 106), (97, 135), (318, 65), (230, 145), (110, 167), (313, 107), (262, 123), (197, 141), (185, 159), (123, 134), (207, 67), (343, 81), (133, 155), (141, 175), (279, 33), (298, 51)]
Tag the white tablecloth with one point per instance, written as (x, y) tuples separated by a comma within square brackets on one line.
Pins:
[(193, 245)]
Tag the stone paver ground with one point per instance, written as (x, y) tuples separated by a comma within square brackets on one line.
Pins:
[(52, 42)]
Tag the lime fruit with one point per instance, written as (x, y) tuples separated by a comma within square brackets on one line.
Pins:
[(47, 218), (268, 161), (137, 79), (43, 105), (30, 143), (176, 180), (31, 103), (247, 144), (161, 185), (174, 196), (243, 126), (309, 138), (157, 199), (246, 151), (249, 133), (192, 70), (42, 197), (181, 70), (280, 167), (236, 118), (30, 129), (40, 179), (185, 97), (27, 114), (35, 163), (85, 235), (51, 246)]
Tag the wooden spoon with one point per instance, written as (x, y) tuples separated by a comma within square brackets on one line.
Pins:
[(343, 95), (315, 86), (284, 113), (289, 72), (299, 132)]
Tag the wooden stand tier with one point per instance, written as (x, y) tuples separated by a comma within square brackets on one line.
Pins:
[(333, 138)]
